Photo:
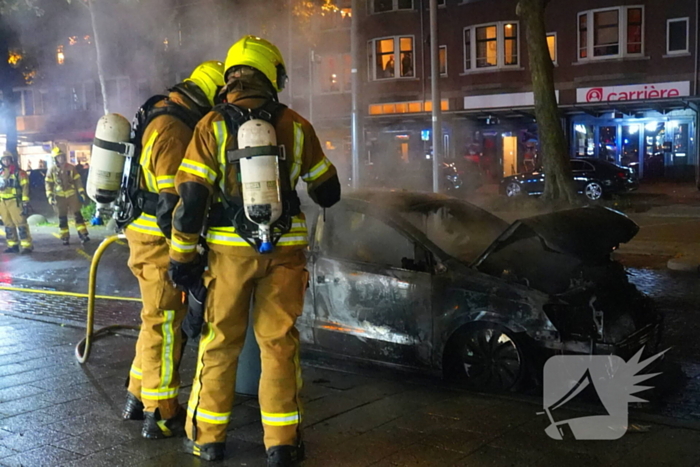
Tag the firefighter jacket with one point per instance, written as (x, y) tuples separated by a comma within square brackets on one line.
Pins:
[(63, 181), (14, 184), (204, 174), (164, 142)]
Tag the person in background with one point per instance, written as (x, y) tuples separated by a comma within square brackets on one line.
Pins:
[(65, 192), (14, 205)]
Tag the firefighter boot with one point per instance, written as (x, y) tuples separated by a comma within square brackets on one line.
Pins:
[(84, 237), (133, 409), (285, 456), (156, 428), (207, 451), (12, 249), (66, 241)]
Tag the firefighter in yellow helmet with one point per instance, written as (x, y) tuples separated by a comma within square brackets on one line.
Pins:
[(14, 205), (65, 192), (276, 282), (154, 381)]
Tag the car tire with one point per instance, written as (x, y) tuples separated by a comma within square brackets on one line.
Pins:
[(593, 191), (486, 357), (513, 190)]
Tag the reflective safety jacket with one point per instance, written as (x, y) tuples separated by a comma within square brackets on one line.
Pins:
[(14, 184), (63, 181), (204, 174), (163, 145)]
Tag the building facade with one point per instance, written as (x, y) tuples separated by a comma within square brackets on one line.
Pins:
[(626, 78)]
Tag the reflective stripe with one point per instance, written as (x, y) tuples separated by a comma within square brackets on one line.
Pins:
[(298, 149), (214, 418), (147, 224), (167, 357), (220, 133), (136, 372), (159, 394), (145, 162), (165, 181), (200, 170), (196, 384), (63, 194), (182, 247), (318, 170), (280, 419), (227, 236)]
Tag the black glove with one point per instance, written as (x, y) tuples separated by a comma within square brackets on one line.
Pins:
[(194, 319), (25, 209), (186, 275)]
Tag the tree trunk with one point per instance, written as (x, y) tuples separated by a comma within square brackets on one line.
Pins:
[(559, 185), (98, 52), (8, 118)]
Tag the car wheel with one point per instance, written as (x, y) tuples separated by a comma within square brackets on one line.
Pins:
[(486, 358), (513, 190), (593, 191)]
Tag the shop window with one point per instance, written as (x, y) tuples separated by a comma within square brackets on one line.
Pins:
[(382, 58), (382, 6), (612, 32), (492, 46), (584, 140), (677, 36), (443, 60), (552, 46)]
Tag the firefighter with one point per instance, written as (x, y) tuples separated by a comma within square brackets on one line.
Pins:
[(255, 73), (154, 381), (14, 205), (65, 192)]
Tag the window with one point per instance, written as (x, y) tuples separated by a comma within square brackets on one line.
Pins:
[(612, 32), (381, 6), (491, 46), (552, 46), (333, 73), (443, 60), (382, 62), (677, 36), (358, 237), (335, 17)]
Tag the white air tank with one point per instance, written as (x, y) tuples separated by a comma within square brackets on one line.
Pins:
[(107, 164)]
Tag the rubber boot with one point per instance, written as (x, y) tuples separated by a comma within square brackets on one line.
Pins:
[(26, 251), (84, 238), (208, 451), (66, 241), (12, 249), (285, 456), (156, 428), (133, 409)]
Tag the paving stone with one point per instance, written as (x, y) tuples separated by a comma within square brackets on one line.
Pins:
[(498, 457), (29, 439), (44, 456), (420, 455), (666, 447), (112, 457), (5, 452), (19, 392)]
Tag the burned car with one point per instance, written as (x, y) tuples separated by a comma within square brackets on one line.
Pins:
[(426, 281)]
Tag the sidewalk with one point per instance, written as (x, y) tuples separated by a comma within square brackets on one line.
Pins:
[(54, 412)]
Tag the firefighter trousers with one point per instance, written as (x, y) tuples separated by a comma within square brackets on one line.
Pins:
[(277, 285), (15, 223), (154, 377), (64, 206)]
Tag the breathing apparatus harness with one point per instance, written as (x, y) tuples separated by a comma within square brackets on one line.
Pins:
[(133, 200), (231, 211)]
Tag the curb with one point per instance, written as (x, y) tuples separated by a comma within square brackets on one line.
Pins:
[(683, 264)]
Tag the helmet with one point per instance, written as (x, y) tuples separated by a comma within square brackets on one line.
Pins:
[(7, 154), (209, 77), (260, 54), (57, 152)]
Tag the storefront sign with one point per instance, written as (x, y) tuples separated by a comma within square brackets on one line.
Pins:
[(492, 101), (633, 92)]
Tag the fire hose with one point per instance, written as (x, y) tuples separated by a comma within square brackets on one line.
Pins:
[(82, 349)]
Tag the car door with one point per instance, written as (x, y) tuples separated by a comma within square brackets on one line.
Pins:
[(372, 290), (578, 171)]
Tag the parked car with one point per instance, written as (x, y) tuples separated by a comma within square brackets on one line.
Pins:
[(431, 282), (595, 178)]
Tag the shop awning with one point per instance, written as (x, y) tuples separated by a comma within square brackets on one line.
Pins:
[(631, 107)]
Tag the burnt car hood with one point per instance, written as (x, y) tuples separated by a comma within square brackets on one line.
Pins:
[(586, 233)]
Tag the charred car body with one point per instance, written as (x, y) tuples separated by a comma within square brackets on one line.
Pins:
[(432, 282)]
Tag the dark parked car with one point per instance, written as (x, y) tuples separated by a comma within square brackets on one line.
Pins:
[(431, 282), (595, 178)]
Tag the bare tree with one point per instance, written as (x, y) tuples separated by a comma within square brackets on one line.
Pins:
[(559, 184)]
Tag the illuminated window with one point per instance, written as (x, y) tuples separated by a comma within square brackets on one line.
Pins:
[(611, 32), (335, 16), (60, 57), (333, 73), (492, 46), (381, 6), (382, 58), (552, 46), (443, 60)]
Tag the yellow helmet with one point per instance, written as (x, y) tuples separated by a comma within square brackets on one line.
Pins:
[(57, 151), (209, 77), (260, 54)]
